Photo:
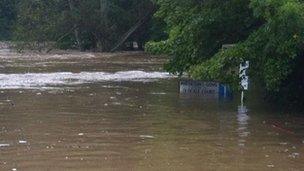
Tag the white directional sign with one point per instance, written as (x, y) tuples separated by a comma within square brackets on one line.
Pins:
[(245, 83), (243, 75)]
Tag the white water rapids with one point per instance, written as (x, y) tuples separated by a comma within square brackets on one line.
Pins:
[(50, 80)]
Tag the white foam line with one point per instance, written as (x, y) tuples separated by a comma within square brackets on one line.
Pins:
[(45, 80)]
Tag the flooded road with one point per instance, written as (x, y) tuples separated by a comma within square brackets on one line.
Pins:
[(85, 111)]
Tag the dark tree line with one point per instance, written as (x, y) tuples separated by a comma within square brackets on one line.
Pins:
[(7, 18), (90, 24)]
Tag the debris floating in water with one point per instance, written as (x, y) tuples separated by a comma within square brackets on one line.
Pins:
[(22, 142), (147, 136), (283, 143), (4, 145), (294, 155), (158, 93), (116, 103)]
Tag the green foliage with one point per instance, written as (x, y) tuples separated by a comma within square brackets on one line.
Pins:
[(91, 24), (273, 48), (222, 67), (158, 48), (197, 29), (269, 33), (157, 30), (37, 20)]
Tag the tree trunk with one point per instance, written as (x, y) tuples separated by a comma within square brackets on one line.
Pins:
[(142, 21), (76, 29), (103, 22), (103, 8)]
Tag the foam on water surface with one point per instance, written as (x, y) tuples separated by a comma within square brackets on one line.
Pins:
[(51, 80)]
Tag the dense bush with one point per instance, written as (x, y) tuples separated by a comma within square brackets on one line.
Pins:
[(158, 47), (269, 33), (198, 29)]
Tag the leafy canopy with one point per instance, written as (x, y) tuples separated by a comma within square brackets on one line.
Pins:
[(269, 33), (90, 24)]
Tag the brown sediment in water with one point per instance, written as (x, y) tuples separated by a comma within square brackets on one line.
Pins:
[(129, 125)]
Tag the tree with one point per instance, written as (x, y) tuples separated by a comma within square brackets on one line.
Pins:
[(197, 29), (39, 21), (91, 24), (268, 33), (275, 50), (7, 18)]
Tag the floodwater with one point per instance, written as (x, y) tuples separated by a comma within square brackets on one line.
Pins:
[(86, 111)]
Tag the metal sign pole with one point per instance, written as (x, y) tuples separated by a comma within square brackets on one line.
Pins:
[(242, 99)]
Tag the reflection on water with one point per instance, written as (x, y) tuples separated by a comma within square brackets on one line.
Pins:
[(243, 119), (132, 118)]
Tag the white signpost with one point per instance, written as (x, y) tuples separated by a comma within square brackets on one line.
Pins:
[(244, 79)]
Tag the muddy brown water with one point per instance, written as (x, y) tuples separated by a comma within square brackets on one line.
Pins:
[(86, 111)]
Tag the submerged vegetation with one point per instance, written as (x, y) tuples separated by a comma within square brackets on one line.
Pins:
[(268, 33)]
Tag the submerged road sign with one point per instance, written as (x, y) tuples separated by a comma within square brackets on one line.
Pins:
[(207, 90)]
